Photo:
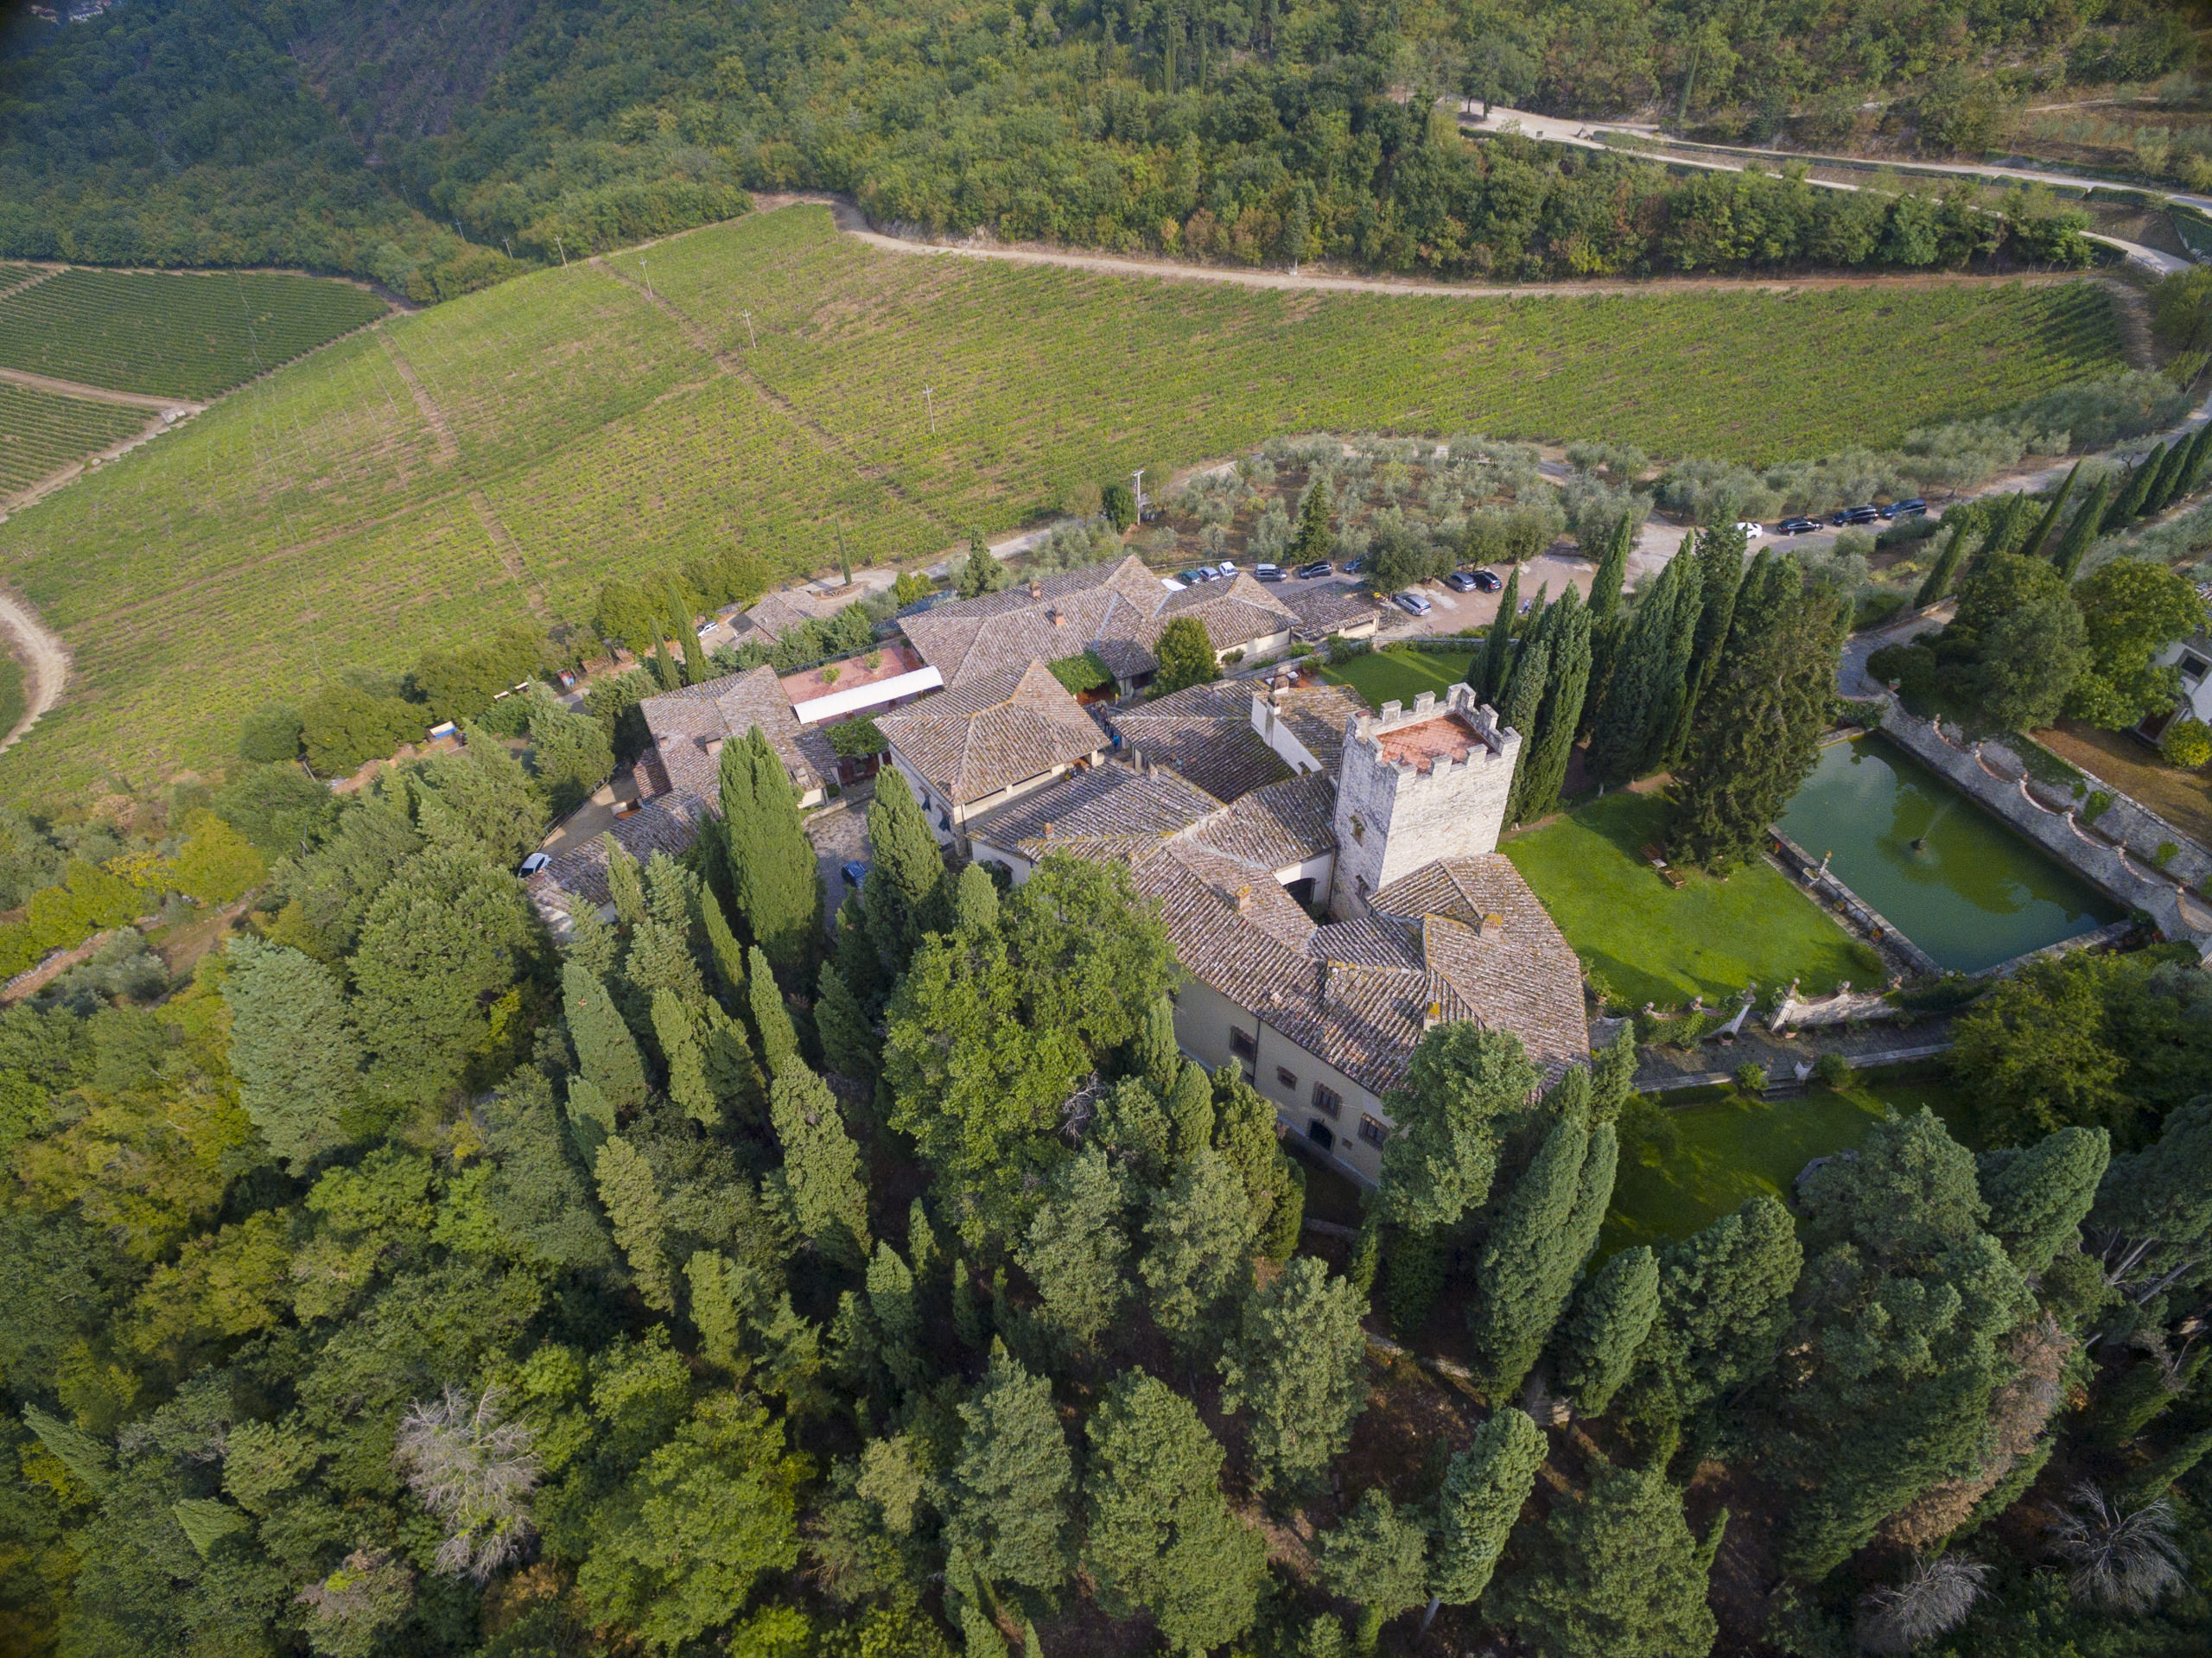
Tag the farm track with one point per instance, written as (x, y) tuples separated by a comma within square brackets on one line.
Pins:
[(97, 393), (731, 363), (45, 659)]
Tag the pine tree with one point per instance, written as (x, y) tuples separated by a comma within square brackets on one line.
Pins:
[(1612, 1313), (1158, 1536), (724, 953), (292, 1049), (632, 1202), (606, 1051), (1297, 1364), (904, 883), (1720, 580), (1311, 540), (849, 1044), (2032, 546), (897, 1312), (1485, 1487), (1526, 1266), (2128, 506), (1542, 771), (1612, 572), (1190, 1109), (1618, 1571), (1076, 1252), (1377, 1559), (975, 902), (1937, 584), (822, 1171), (2039, 1196), (2157, 1478), (2081, 534), (772, 1021), (1198, 1243), (685, 1055), (774, 873), (1724, 1304), (1486, 672), (1759, 730), (1008, 1491), (1156, 1056)]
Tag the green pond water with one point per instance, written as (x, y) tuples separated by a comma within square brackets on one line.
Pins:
[(1971, 894)]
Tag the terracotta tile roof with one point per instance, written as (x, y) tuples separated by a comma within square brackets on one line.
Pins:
[(1316, 715), (1324, 607), (1117, 610), (1124, 809), (974, 740), (668, 824), (685, 723), (1273, 828), (1205, 733), (776, 613)]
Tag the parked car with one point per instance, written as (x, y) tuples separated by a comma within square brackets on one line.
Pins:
[(1414, 603), (1486, 581), (854, 872), (533, 864), (1915, 508), (1271, 573), (1854, 515), (1460, 581), (1356, 567), (1192, 578), (1318, 566), (1751, 532), (1226, 569), (1798, 526)]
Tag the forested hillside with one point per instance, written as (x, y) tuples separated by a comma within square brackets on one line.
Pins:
[(426, 145)]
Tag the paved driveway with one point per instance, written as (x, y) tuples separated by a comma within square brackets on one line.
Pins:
[(839, 831)]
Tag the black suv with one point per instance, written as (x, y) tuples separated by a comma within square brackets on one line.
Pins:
[(1915, 508), (1854, 514)]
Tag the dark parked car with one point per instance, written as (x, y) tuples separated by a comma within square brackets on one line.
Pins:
[(1797, 526), (1486, 581), (1356, 567), (1915, 508), (1460, 581), (1318, 566), (854, 872), (1854, 515)]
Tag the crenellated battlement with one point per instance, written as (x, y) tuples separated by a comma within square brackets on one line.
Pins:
[(1419, 784)]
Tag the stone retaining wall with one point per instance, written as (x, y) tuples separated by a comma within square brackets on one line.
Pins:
[(2136, 882)]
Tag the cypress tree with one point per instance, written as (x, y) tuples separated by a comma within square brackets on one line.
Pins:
[(1636, 702), (849, 1044), (724, 953), (1007, 1492), (773, 867), (293, 1048), (1542, 770), (606, 1051), (853, 949), (1720, 578), (772, 1021), (1311, 539), (2038, 1196), (1377, 1559), (2083, 533), (822, 1173), (1198, 1241), (1759, 734), (732, 1072), (664, 670), (627, 1193), (685, 1057), (1946, 567), (1724, 1305), (2200, 453), (1190, 1109), (2033, 545), (1297, 1364), (2162, 488), (975, 901), (2008, 528), (590, 1117), (1158, 1536), (1612, 572), (1612, 1313), (1485, 1487), (2129, 506), (694, 656), (904, 882), (2156, 1477), (1156, 1056), (1524, 695), (1076, 1252), (624, 884), (1486, 672)]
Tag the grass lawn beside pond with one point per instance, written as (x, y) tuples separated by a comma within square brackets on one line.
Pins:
[(1733, 1146), (1653, 942), (1400, 675)]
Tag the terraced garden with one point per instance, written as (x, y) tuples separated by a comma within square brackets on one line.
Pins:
[(40, 432), (169, 335), (342, 511)]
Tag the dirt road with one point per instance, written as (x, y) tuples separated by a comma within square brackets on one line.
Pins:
[(45, 659)]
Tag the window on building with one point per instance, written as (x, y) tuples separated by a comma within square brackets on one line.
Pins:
[(1320, 1133), (1371, 1129), (1243, 1043), (1327, 1099), (1287, 1077), (2193, 668)]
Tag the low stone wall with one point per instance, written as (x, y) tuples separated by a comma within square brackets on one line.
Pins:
[(2126, 822), (2139, 884), (1816, 878)]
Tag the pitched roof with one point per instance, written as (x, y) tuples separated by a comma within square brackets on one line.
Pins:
[(776, 613), (1205, 733), (1323, 606), (1273, 828), (1117, 610), (685, 722), (993, 730), (1108, 809), (1316, 715), (668, 824)]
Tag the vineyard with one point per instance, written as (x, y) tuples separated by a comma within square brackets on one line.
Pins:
[(40, 432), (190, 336), (347, 511)]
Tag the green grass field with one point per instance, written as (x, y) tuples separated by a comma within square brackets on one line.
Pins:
[(1400, 675), (190, 336), (1734, 1146), (11, 692), (1653, 942), (343, 511), (40, 432)]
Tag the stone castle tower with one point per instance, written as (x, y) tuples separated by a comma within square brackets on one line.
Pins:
[(1415, 785)]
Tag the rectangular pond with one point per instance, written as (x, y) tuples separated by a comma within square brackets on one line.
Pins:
[(1954, 879)]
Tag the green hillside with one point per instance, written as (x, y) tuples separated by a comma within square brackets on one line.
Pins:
[(492, 460)]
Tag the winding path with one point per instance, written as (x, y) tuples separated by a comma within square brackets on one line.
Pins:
[(44, 658)]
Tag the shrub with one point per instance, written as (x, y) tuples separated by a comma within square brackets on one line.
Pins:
[(2187, 743), (2096, 806), (1831, 1070), (1750, 1077), (855, 739), (2166, 853), (1082, 673)]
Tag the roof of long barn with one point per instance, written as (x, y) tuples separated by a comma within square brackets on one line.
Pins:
[(994, 729)]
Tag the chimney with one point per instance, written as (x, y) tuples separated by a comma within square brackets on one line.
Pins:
[(1058, 617), (1490, 926), (1431, 1016), (1048, 828), (713, 746), (1243, 900), (1036, 590)]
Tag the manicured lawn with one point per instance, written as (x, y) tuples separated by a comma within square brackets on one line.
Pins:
[(1400, 675), (1734, 1146), (1653, 942)]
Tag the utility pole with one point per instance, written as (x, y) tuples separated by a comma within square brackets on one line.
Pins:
[(1137, 478), (641, 272), (928, 399), (563, 251), (747, 315)]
